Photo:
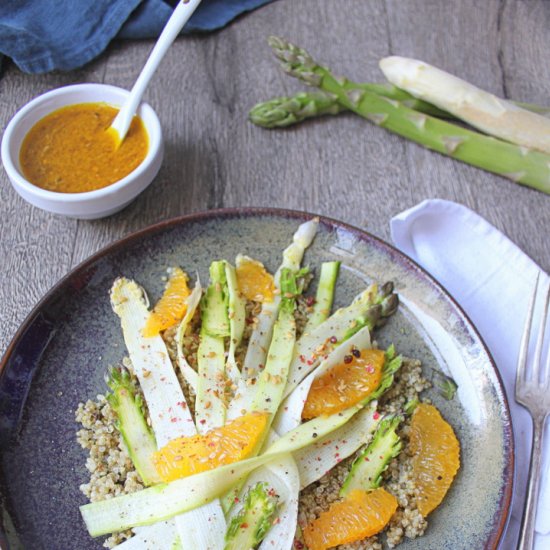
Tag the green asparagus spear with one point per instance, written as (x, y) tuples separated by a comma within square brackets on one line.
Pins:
[(215, 317), (281, 112), (131, 423), (324, 296), (285, 111), (384, 304), (367, 469), (268, 390), (517, 163), (249, 527), (392, 363), (210, 404)]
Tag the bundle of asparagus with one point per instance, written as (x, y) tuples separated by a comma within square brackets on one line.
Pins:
[(421, 104)]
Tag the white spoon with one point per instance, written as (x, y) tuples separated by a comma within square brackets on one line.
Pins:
[(122, 121)]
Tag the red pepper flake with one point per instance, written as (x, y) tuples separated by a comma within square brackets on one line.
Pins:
[(310, 300), (310, 362), (348, 359), (376, 415), (302, 359), (298, 545), (173, 419), (356, 352), (236, 500), (370, 369), (333, 339), (244, 525), (202, 421)]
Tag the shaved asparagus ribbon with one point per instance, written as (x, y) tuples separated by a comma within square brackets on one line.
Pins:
[(261, 336), (160, 535), (210, 402), (193, 301), (324, 296), (236, 312), (316, 460)]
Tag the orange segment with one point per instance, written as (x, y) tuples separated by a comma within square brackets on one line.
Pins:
[(436, 456), (171, 308), (345, 384), (255, 283), (358, 516), (235, 441)]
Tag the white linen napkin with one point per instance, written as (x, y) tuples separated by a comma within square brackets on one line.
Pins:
[(493, 280)]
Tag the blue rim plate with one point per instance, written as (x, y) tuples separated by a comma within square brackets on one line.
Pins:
[(59, 355)]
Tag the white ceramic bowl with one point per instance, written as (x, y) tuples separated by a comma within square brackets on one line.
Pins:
[(91, 204)]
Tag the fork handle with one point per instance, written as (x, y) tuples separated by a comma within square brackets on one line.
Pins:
[(527, 531)]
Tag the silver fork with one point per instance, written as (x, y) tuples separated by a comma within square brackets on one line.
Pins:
[(533, 393)]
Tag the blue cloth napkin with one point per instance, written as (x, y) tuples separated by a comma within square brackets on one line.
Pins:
[(43, 35)]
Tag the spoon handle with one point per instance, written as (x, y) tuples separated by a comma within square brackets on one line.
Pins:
[(179, 17)]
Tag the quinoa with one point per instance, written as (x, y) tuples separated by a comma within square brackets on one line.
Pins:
[(112, 472)]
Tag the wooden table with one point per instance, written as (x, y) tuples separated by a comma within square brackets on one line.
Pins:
[(343, 167)]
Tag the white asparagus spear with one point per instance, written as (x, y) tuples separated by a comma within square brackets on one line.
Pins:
[(482, 110)]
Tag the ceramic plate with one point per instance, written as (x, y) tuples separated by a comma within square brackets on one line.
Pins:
[(59, 355)]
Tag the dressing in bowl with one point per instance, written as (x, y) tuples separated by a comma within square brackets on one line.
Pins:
[(53, 155)]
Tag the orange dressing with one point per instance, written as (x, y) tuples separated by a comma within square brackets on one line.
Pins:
[(70, 151)]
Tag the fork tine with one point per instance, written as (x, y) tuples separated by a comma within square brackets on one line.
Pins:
[(524, 346), (540, 338), (546, 374)]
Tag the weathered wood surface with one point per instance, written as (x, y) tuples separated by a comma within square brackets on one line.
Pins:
[(343, 167)]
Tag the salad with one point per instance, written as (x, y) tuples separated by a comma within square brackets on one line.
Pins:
[(248, 415)]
